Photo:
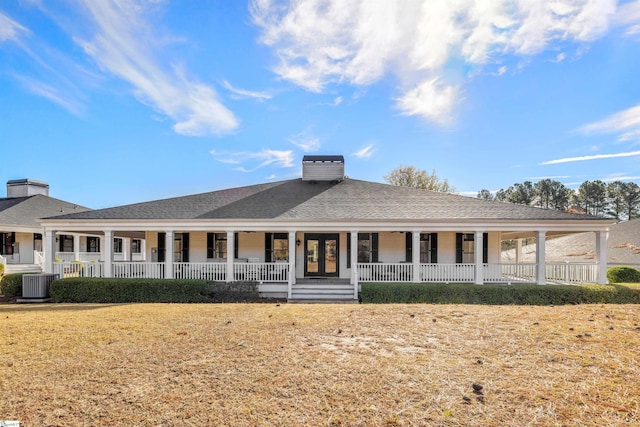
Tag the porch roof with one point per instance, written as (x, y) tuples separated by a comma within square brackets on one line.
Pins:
[(346, 200)]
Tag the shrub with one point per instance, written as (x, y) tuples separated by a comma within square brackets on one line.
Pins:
[(438, 293), (1, 270), (11, 285), (623, 274), (113, 290)]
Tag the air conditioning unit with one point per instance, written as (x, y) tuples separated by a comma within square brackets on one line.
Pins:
[(36, 286)]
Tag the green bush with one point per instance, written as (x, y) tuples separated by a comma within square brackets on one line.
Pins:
[(11, 285), (439, 293), (1, 270), (112, 290), (623, 274)]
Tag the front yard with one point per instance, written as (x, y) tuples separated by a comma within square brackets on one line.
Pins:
[(319, 365)]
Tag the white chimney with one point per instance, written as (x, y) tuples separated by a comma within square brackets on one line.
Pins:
[(322, 168), (26, 187)]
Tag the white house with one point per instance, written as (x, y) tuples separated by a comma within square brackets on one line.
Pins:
[(322, 235)]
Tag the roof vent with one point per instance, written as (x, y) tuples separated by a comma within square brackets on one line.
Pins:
[(26, 187), (322, 168)]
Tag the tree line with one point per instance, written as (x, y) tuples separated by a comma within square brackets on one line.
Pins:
[(617, 199)]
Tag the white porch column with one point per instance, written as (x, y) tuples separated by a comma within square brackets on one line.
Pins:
[(292, 263), (518, 250), (354, 262), (49, 250), (415, 255), (107, 255), (541, 267), (231, 249), (601, 256), (478, 256), (76, 247), (168, 254), (126, 249)]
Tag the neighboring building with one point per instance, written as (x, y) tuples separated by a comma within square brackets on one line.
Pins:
[(322, 235)]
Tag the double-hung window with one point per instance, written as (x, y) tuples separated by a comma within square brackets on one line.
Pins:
[(93, 244), (276, 247), (216, 245), (465, 248)]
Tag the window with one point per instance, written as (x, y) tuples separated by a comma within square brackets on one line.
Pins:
[(117, 246), (136, 246), (6, 243), (276, 247), (65, 243), (181, 247), (428, 248), (367, 248), (465, 248), (93, 244), (216, 245)]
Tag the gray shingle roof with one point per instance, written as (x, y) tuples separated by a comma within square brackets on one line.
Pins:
[(27, 211), (347, 200)]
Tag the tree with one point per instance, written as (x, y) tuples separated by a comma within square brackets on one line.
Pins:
[(551, 194), (518, 193), (409, 176), (485, 194), (631, 197), (592, 197), (615, 198)]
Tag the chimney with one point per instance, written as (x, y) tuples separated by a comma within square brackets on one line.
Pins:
[(26, 187), (323, 168)]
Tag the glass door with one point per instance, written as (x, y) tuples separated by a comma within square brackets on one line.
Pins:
[(321, 255)]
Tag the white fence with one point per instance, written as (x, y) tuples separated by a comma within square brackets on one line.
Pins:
[(571, 273), (146, 270), (82, 256), (446, 273), (216, 271), (78, 269), (385, 272), (264, 272)]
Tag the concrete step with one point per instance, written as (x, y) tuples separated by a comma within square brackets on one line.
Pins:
[(320, 291)]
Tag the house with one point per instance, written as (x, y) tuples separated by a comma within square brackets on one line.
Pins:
[(21, 243), (321, 235)]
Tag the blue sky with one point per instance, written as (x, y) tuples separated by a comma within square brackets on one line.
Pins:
[(115, 102)]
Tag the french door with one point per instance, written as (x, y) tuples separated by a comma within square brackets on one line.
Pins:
[(321, 254)]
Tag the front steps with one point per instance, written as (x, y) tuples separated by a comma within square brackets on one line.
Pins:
[(22, 268), (322, 291)]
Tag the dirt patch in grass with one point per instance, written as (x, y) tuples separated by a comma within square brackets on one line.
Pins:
[(320, 365)]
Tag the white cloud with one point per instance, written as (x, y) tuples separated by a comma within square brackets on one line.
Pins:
[(365, 152), (53, 94), (246, 93), (125, 45), (10, 30), (305, 141), (358, 42), (256, 160), (620, 178), (628, 15), (593, 157), (626, 123)]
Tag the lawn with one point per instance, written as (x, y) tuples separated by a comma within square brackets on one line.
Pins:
[(319, 365)]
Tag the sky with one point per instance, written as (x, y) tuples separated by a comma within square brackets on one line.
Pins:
[(121, 101)]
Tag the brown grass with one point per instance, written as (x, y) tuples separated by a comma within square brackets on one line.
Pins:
[(319, 365)]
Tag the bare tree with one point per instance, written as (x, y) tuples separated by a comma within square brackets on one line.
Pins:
[(409, 176)]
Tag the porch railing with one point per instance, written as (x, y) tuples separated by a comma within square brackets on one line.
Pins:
[(445, 273), (216, 271), (78, 269), (571, 272), (509, 273), (261, 271), (146, 270), (38, 258), (385, 272)]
